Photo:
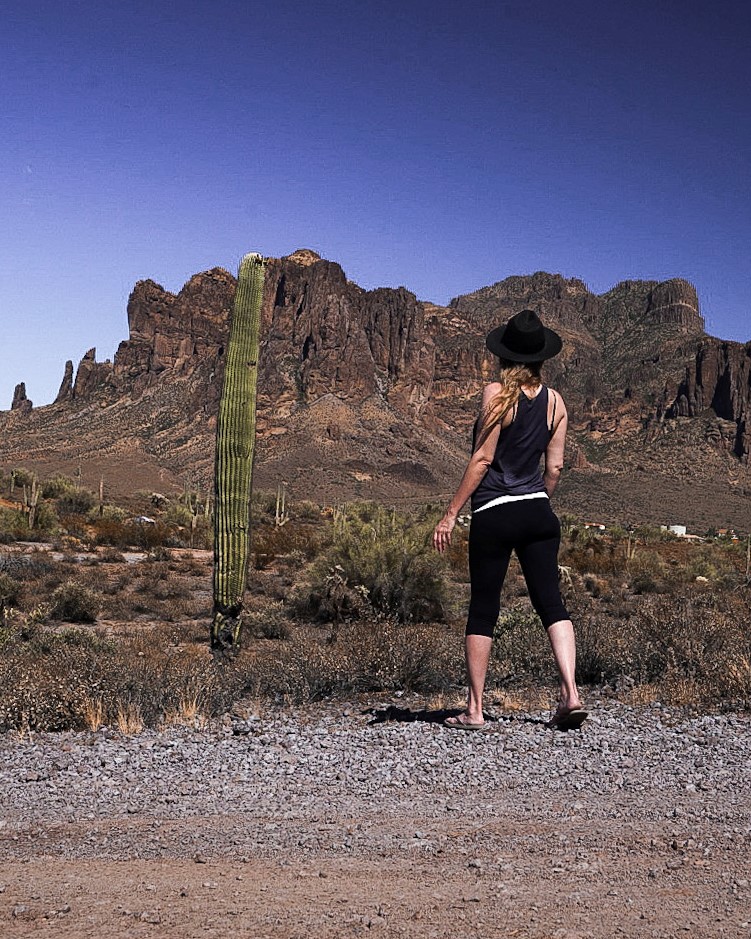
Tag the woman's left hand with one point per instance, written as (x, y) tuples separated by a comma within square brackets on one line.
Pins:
[(442, 533)]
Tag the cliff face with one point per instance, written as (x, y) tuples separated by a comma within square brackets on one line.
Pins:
[(373, 392), (325, 335), (719, 378), (648, 331)]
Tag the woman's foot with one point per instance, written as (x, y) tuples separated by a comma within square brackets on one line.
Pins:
[(568, 718), (465, 721)]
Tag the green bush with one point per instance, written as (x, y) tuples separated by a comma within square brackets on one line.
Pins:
[(57, 486), (388, 555), (10, 591), (271, 622), (46, 521), (74, 603), (76, 502), (22, 477), (647, 572), (14, 525)]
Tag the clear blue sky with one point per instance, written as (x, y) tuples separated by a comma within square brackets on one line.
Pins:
[(442, 146)]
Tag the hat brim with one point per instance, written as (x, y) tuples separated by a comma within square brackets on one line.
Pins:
[(551, 347)]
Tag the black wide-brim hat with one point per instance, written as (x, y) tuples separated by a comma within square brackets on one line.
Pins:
[(524, 339)]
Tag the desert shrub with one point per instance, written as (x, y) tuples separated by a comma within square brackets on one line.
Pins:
[(75, 502), (195, 532), (76, 679), (719, 563), (668, 643), (178, 514), (270, 542), (520, 646), (652, 534), (25, 566), (10, 591), (112, 531), (647, 572), (389, 655), (271, 622), (380, 655), (14, 525), (389, 556), (57, 486), (263, 502), (74, 603), (306, 509), (22, 477), (592, 554), (74, 525), (149, 536), (44, 678), (160, 584), (458, 554), (330, 598), (596, 586)]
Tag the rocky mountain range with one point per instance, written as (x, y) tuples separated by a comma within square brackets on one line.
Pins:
[(371, 394)]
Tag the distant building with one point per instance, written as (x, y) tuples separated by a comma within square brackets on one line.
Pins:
[(727, 533), (679, 530)]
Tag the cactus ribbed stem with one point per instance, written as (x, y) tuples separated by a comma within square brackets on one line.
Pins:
[(235, 438)]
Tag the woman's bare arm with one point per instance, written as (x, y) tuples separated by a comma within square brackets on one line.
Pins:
[(555, 449), (476, 469)]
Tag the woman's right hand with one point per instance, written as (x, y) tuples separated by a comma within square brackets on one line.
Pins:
[(442, 533)]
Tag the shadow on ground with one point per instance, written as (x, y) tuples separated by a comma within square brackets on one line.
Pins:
[(406, 715)]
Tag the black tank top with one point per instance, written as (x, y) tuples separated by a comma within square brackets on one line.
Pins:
[(515, 470)]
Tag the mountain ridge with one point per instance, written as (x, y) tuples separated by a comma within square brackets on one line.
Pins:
[(373, 392)]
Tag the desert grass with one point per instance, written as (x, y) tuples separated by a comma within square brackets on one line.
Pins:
[(695, 652), (364, 610)]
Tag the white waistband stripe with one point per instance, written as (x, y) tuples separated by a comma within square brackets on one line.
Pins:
[(503, 499)]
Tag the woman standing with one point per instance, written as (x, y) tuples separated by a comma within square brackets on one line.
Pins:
[(521, 420)]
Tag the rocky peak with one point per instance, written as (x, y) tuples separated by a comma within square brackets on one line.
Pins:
[(675, 302), (303, 256), (324, 335), (91, 376), (66, 385), (558, 300), (20, 402), (647, 304)]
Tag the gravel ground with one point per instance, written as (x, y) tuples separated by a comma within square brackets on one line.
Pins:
[(325, 821)]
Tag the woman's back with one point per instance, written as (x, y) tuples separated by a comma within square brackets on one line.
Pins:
[(524, 437)]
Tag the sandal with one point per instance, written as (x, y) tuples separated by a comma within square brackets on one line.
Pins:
[(453, 723), (568, 719)]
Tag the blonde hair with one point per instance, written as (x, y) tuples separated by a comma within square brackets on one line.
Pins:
[(513, 376)]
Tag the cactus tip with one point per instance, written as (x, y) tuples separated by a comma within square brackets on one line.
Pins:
[(252, 258)]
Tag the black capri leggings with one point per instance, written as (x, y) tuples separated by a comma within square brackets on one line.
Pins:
[(531, 528)]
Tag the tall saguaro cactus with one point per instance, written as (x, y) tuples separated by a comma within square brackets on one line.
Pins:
[(235, 439)]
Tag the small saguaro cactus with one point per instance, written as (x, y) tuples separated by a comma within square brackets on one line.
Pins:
[(235, 439), (33, 501)]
